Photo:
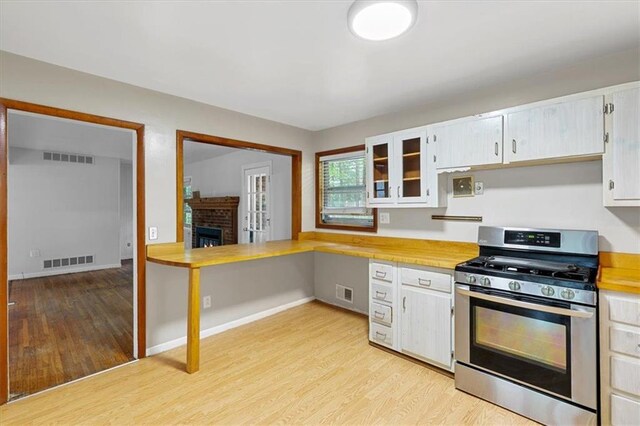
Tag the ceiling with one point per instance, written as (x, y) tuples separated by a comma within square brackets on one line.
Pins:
[(46, 133), (296, 62), (198, 151)]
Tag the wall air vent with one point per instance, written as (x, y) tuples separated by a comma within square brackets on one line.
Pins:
[(67, 158), (66, 262), (344, 293)]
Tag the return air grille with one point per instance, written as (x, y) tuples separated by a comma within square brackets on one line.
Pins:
[(68, 261), (344, 293), (67, 157)]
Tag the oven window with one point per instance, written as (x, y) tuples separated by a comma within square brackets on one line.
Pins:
[(529, 339), (526, 345)]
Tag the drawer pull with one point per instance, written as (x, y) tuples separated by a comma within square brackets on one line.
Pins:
[(381, 294), (426, 283), (381, 274), (382, 336), (379, 315)]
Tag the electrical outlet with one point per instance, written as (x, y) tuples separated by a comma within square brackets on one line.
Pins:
[(153, 232), (385, 218), (206, 302), (479, 188), (34, 253)]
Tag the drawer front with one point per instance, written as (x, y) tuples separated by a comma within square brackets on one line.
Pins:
[(625, 341), (382, 272), (380, 313), (381, 292), (625, 310), (426, 279), (624, 411), (625, 375), (381, 334)]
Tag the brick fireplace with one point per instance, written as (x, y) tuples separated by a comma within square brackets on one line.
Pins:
[(215, 213)]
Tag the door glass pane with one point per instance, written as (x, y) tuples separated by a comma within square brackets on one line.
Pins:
[(526, 338), (381, 171), (411, 167)]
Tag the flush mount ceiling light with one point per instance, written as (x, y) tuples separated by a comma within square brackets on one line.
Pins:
[(381, 20)]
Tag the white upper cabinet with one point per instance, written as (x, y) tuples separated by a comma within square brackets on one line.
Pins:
[(565, 129), (411, 152), (399, 173), (474, 142), (621, 167)]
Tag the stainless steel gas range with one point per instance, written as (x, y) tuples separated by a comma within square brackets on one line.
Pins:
[(526, 323)]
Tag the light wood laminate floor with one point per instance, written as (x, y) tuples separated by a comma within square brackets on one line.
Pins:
[(69, 326), (309, 365)]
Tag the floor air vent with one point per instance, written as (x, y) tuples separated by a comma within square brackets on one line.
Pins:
[(344, 293), (68, 261), (67, 158)]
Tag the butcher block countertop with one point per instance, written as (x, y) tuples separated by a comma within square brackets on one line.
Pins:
[(619, 272), (439, 254)]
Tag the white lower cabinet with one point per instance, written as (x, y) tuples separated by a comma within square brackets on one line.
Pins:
[(620, 358), (412, 311), (425, 319)]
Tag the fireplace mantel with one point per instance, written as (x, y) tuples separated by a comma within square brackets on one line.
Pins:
[(216, 212)]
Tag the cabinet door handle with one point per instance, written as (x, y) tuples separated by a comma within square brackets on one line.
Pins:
[(426, 283), (513, 146), (496, 150), (611, 185), (427, 192), (404, 304), (381, 294), (381, 274), (398, 191)]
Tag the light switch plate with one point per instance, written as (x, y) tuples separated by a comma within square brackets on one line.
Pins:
[(385, 218), (34, 253), (153, 232)]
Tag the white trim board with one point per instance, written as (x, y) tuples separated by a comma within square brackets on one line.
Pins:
[(343, 306), (163, 347), (60, 271)]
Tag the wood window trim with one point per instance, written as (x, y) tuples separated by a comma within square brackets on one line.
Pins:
[(296, 174), (10, 104), (319, 223)]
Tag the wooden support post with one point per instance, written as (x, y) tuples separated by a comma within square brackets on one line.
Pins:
[(193, 322)]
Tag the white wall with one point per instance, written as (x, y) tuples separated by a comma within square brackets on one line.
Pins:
[(62, 210), (126, 210), (222, 176), (558, 196), (28, 80)]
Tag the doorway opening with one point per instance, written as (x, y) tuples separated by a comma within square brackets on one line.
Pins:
[(72, 237), (231, 192)]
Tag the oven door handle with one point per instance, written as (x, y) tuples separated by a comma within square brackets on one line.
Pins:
[(526, 305)]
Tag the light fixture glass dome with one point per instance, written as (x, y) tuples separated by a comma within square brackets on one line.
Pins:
[(381, 20)]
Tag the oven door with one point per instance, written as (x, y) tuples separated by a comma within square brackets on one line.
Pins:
[(547, 345)]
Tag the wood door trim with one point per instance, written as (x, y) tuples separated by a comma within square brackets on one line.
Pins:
[(296, 174), (7, 104), (318, 203)]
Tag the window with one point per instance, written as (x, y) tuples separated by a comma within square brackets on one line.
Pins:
[(341, 192)]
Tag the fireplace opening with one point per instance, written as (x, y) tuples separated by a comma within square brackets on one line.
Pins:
[(208, 237)]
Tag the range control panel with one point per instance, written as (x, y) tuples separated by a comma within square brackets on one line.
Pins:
[(529, 238)]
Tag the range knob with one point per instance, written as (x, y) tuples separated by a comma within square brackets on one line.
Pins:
[(485, 282), (547, 290), (514, 285), (471, 279), (567, 294)]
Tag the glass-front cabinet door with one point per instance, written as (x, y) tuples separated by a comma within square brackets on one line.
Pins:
[(411, 150), (380, 171)]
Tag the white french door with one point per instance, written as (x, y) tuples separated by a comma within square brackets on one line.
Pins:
[(256, 203)]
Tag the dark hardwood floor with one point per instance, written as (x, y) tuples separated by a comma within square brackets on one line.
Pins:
[(68, 326)]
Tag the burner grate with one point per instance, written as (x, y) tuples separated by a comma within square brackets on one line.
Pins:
[(557, 270)]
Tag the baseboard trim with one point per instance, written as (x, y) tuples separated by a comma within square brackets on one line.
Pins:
[(346, 308), (163, 347), (60, 271)]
